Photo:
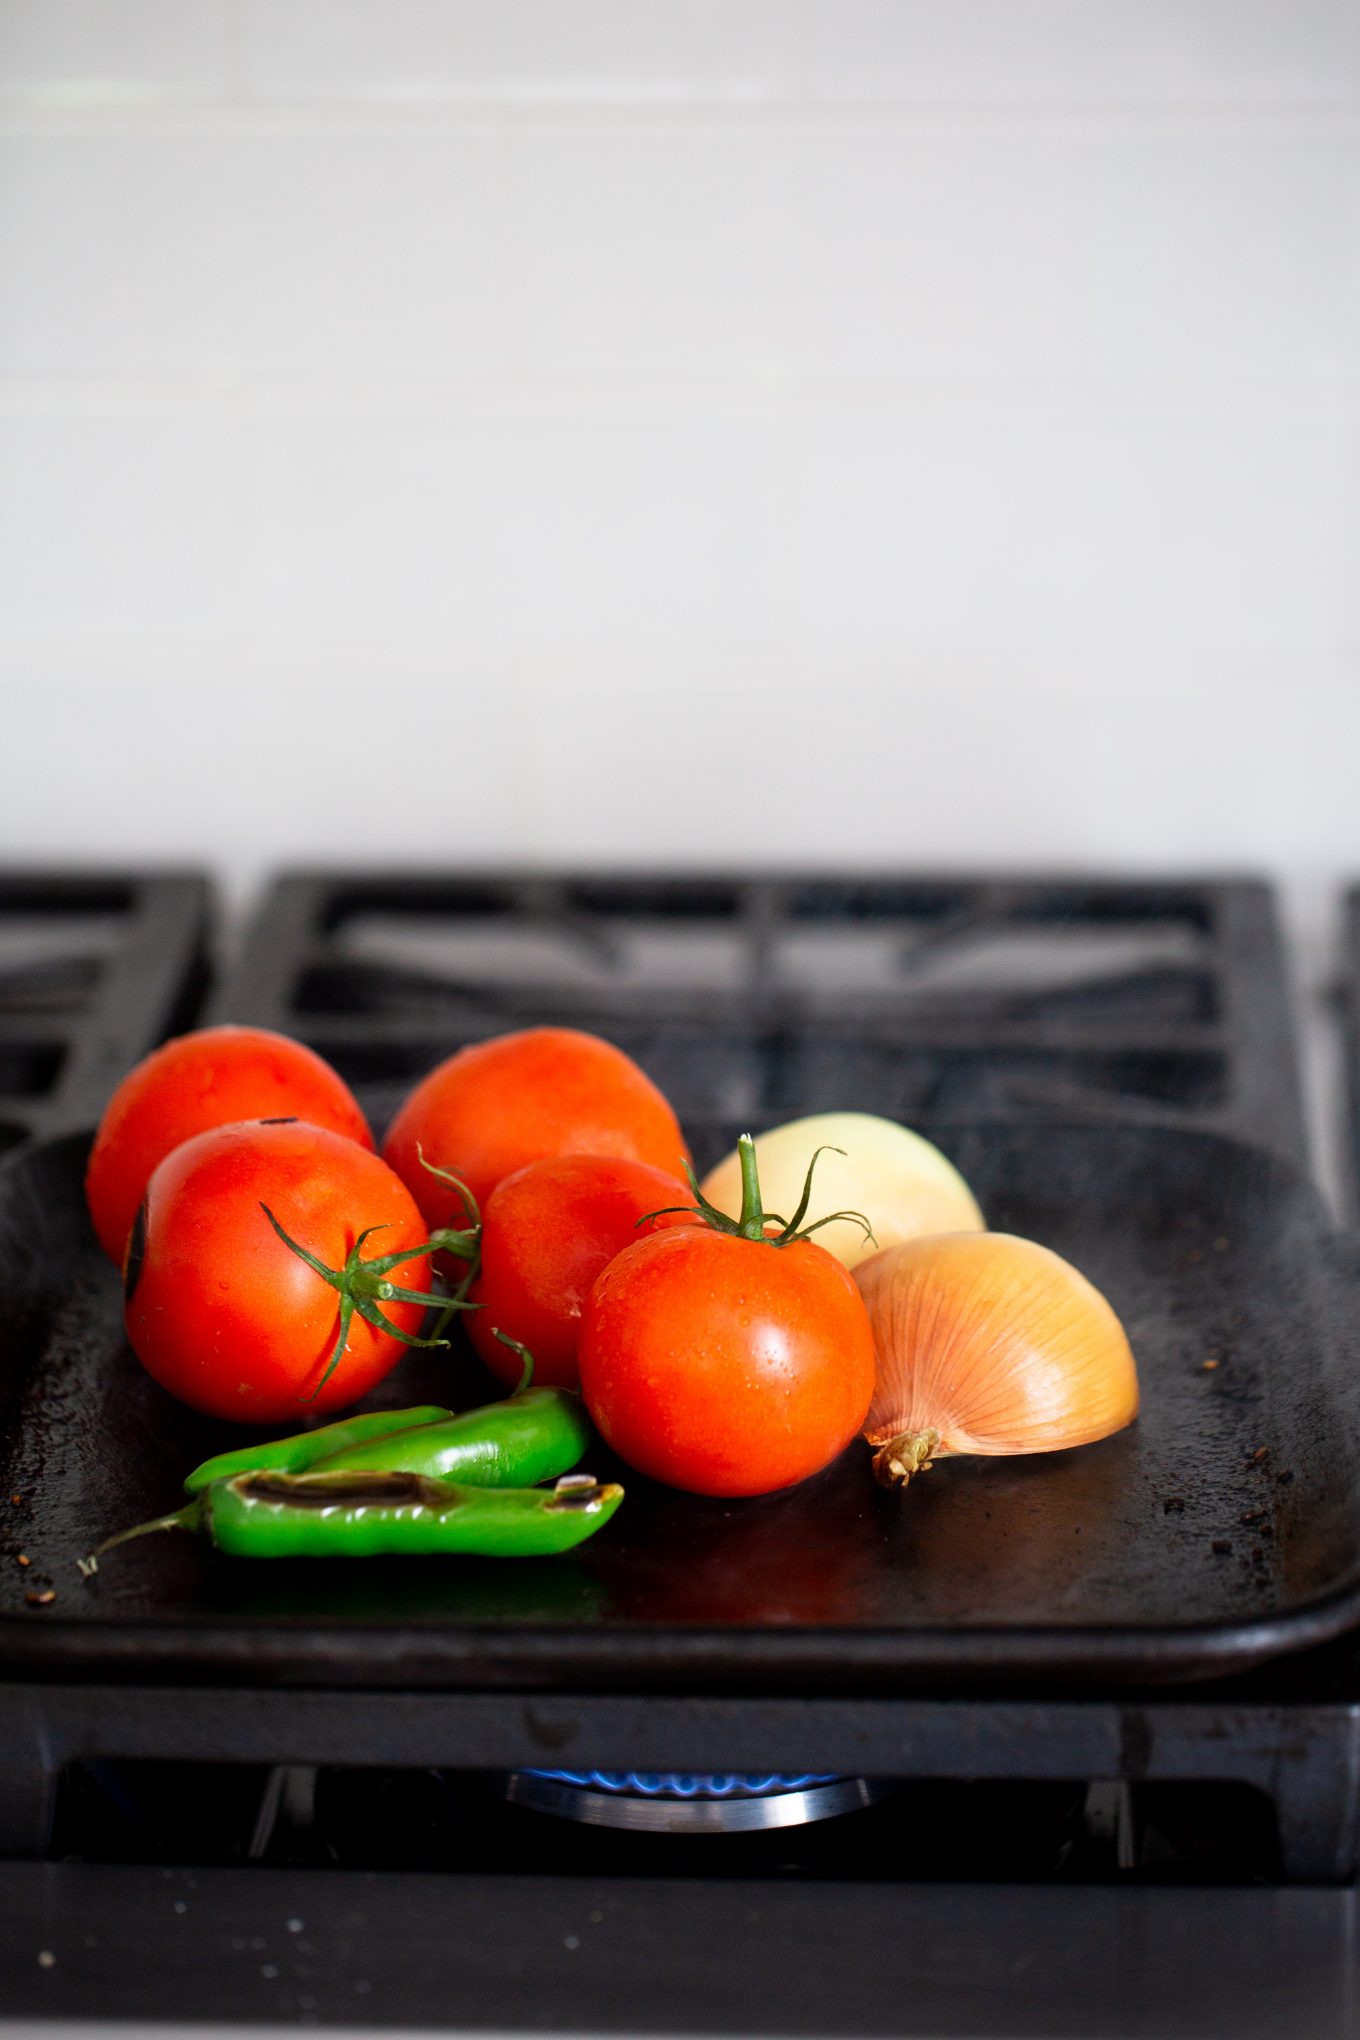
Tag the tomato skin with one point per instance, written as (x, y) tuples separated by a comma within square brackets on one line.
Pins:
[(726, 1366), (224, 1315), (548, 1232), (209, 1078), (500, 1104)]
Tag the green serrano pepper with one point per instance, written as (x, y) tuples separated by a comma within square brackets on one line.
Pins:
[(305, 1448), (371, 1515), (533, 1435)]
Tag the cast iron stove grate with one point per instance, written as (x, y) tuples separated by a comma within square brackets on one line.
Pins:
[(1348, 984), (95, 969), (755, 998)]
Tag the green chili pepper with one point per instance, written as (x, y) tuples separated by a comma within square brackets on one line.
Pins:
[(305, 1448), (369, 1515), (533, 1435)]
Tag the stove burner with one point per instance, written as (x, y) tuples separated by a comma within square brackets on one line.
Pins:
[(681, 1802)]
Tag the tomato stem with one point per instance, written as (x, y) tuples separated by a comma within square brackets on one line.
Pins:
[(752, 1221), (755, 1221), (526, 1357), (474, 1216), (363, 1285), (463, 1246)]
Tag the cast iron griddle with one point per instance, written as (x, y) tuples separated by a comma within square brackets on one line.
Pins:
[(1071, 1566)]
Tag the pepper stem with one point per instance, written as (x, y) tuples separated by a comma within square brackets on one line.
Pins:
[(187, 1518), (909, 1452)]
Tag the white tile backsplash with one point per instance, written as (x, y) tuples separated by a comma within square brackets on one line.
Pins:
[(602, 50), (677, 253), (386, 252), (208, 762), (920, 429), (546, 529), (468, 251), (699, 249), (1222, 252), (1142, 531), (1103, 52), (662, 52), (117, 527), (930, 252), (100, 52), (111, 254), (951, 768)]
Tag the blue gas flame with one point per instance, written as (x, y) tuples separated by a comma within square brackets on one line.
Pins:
[(688, 1785)]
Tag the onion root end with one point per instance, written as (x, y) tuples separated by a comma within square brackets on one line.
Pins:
[(908, 1453)]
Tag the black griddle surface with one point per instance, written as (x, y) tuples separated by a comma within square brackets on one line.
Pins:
[(1068, 1567)]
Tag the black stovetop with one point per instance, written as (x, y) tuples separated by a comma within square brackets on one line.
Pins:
[(1118, 1860)]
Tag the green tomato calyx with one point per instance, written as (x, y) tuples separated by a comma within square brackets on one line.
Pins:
[(363, 1286), (526, 1379), (768, 1228)]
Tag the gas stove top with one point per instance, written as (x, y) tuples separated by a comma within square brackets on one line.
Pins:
[(1007, 1859), (757, 998)]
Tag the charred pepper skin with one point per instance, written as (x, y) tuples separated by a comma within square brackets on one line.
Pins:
[(305, 1448), (378, 1515), (531, 1436)]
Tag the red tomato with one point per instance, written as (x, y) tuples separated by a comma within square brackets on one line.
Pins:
[(519, 1098), (723, 1365), (222, 1313), (211, 1078), (548, 1231)]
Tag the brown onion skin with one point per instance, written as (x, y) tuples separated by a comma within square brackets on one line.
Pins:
[(994, 1342)]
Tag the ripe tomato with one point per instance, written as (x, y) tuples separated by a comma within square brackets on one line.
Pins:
[(519, 1098), (725, 1365), (225, 1315), (547, 1232), (210, 1078)]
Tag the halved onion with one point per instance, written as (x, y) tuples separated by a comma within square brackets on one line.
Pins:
[(986, 1343)]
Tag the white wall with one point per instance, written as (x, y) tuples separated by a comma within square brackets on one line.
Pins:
[(911, 430)]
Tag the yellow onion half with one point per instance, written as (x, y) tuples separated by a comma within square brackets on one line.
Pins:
[(988, 1344)]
